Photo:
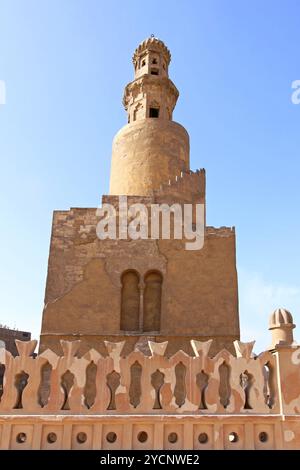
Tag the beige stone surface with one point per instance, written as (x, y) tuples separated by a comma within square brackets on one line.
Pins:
[(146, 154), (281, 325), (83, 296), (176, 384), (181, 402), (189, 430), (139, 345), (88, 296)]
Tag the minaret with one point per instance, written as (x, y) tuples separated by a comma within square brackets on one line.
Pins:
[(151, 148), (119, 290)]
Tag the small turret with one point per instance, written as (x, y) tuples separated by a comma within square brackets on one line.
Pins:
[(151, 57), (281, 326)]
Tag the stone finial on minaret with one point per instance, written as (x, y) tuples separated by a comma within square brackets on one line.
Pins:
[(151, 94), (151, 57), (281, 326)]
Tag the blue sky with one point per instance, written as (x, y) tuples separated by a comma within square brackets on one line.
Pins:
[(65, 64)]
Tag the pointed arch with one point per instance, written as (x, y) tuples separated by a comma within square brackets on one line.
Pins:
[(152, 301), (130, 301)]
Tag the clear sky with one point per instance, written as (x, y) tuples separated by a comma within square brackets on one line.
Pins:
[(65, 64)]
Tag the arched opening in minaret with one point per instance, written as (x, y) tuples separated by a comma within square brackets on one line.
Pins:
[(130, 301), (152, 301), (154, 71), (153, 112)]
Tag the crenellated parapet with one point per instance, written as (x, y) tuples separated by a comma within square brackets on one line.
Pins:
[(138, 383), (186, 187), (187, 401)]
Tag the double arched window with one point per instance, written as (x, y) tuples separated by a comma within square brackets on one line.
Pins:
[(141, 301)]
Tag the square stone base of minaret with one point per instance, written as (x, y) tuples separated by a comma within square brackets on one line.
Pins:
[(134, 290)]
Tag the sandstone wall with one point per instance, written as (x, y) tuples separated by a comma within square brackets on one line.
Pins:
[(146, 154), (145, 402), (83, 292)]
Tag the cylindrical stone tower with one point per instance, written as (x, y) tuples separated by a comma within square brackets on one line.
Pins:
[(151, 148)]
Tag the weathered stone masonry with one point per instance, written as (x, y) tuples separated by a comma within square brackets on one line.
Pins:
[(139, 346), (86, 276)]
